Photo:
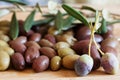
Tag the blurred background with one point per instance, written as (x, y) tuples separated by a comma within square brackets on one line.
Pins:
[(45, 2)]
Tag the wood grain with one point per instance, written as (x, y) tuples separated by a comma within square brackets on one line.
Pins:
[(63, 74)]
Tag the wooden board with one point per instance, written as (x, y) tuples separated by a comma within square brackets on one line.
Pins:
[(63, 74)]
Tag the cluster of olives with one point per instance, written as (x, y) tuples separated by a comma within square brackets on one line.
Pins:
[(42, 48)]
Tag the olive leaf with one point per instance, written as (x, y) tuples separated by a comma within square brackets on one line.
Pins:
[(103, 27), (38, 6), (43, 21), (52, 15), (75, 14), (88, 8), (113, 22), (29, 21), (14, 28), (67, 22), (15, 1), (59, 21)]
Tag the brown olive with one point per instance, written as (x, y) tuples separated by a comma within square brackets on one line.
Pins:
[(50, 38), (18, 61), (47, 51), (112, 42), (31, 53), (32, 43), (21, 39), (108, 49), (35, 37), (45, 43), (108, 34), (18, 47), (40, 64), (82, 33), (82, 46), (55, 63), (97, 37)]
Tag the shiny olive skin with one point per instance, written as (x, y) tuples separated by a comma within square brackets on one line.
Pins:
[(31, 54), (55, 63), (18, 61), (108, 34), (81, 47), (69, 61), (98, 38), (50, 38), (40, 64), (110, 63), (112, 42), (83, 65), (108, 49), (21, 39), (82, 33), (18, 47), (35, 37), (47, 51), (45, 43), (32, 43)]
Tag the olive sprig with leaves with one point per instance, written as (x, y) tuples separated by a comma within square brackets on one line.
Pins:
[(85, 59)]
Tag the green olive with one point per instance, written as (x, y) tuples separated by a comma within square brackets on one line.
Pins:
[(9, 50), (3, 43), (4, 60), (59, 45), (69, 60), (65, 51), (55, 63)]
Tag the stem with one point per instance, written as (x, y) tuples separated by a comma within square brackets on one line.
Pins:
[(102, 53)]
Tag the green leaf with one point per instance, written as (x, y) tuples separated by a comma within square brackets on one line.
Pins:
[(52, 15), (75, 14), (88, 8), (103, 28), (29, 21), (113, 22), (67, 22), (38, 6), (14, 28), (43, 21), (15, 1), (59, 21)]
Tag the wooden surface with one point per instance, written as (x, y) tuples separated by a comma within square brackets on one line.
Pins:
[(63, 74)]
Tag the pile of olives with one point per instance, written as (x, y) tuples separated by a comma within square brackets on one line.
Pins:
[(42, 48)]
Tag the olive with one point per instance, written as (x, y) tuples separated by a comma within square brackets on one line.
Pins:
[(31, 54), (4, 60), (69, 61), (108, 49), (50, 38), (83, 65), (112, 42), (35, 37), (82, 33), (82, 47), (47, 51), (62, 52), (97, 37), (45, 43), (110, 63), (59, 45), (108, 34), (40, 64), (18, 61), (55, 63)]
